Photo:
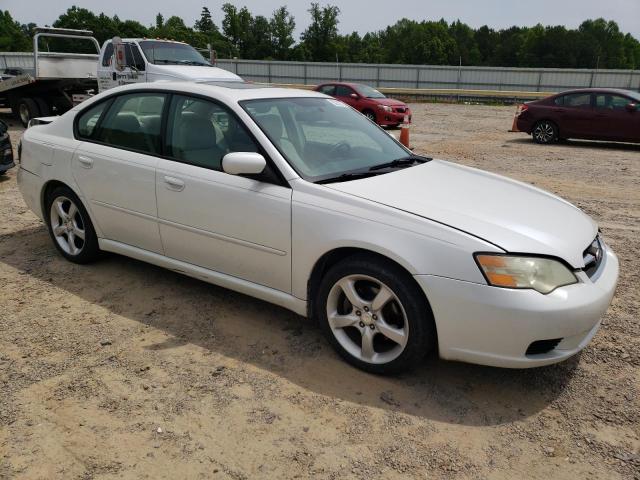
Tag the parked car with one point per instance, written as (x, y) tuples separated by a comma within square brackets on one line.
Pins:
[(6, 150), (592, 114), (370, 102), (293, 198)]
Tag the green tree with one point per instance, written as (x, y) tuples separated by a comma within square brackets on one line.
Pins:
[(13, 36), (282, 26), (320, 38)]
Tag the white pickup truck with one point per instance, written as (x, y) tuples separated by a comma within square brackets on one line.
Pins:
[(139, 60)]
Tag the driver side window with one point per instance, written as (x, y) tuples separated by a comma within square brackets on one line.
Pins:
[(201, 133)]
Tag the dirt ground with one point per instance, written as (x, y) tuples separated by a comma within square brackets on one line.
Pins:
[(123, 370)]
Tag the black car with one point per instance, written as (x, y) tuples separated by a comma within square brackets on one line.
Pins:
[(6, 152)]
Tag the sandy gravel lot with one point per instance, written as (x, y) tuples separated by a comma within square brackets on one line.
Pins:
[(124, 370)]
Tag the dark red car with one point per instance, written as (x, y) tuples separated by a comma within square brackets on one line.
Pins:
[(384, 111), (592, 114)]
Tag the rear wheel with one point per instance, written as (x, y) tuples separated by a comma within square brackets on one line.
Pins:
[(27, 109), (70, 226), (374, 315), (545, 132), (43, 107)]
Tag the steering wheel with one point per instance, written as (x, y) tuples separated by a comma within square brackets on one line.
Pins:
[(340, 150)]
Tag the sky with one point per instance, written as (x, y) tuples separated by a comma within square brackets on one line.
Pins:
[(356, 15)]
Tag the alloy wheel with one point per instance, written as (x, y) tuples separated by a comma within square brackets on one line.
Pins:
[(544, 132), (367, 319), (67, 225)]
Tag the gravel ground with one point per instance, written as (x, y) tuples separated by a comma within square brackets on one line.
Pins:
[(124, 370)]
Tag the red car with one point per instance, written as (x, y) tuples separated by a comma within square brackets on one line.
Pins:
[(591, 114), (386, 112)]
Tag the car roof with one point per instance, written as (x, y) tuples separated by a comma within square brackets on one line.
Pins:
[(230, 92), (619, 91)]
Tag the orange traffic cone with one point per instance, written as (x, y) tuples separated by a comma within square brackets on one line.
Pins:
[(514, 127), (404, 132)]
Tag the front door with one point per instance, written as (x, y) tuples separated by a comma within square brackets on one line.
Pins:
[(613, 120), (115, 167), (230, 224)]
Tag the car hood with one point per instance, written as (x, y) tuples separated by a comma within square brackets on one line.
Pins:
[(195, 73), (392, 102), (514, 216)]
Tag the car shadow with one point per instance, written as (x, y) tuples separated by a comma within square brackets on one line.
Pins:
[(583, 144), (278, 341)]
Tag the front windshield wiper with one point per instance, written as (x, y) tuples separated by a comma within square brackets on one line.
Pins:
[(401, 162), (345, 177)]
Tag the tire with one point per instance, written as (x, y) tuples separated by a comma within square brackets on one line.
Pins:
[(545, 132), (405, 316), (370, 114), (66, 224), (27, 109), (43, 107)]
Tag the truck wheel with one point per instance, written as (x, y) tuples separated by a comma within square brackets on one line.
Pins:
[(43, 107), (27, 109)]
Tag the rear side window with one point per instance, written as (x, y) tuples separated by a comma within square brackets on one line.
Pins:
[(202, 132), (89, 119), (134, 122), (577, 100)]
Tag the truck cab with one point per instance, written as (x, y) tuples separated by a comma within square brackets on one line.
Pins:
[(140, 60)]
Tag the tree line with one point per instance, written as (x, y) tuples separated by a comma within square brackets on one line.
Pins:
[(594, 44)]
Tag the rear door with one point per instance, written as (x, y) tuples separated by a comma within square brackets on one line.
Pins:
[(115, 165), (573, 113), (613, 121), (231, 224)]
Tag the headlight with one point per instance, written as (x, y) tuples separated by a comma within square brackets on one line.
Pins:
[(386, 108), (541, 274)]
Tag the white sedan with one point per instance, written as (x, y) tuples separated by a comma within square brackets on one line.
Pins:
[(297, 199)]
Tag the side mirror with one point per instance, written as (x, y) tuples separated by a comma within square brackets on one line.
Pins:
[(632, 107), (243, 163), (355, 96)]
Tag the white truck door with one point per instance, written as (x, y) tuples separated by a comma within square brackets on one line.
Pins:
[(130, 69), (106, 69)]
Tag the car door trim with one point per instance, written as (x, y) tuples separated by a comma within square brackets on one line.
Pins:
[(224, 238)]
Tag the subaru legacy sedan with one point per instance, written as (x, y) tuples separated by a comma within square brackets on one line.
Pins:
[(295, 198)]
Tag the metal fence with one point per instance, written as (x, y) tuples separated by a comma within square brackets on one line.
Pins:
[(433, 76)]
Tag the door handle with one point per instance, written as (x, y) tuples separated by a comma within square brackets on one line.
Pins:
[(85, 162), (559, 110), (174, 183)]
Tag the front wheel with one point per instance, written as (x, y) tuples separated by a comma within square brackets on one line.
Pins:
[(545, 132), (374, 315), (70, 226), (370, 115)]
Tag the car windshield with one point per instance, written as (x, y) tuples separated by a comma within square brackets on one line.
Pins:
[(368, 92), (325, 139), (163, 53)]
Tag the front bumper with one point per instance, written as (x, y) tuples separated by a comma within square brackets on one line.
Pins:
[(494, 326), (392, 118)]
